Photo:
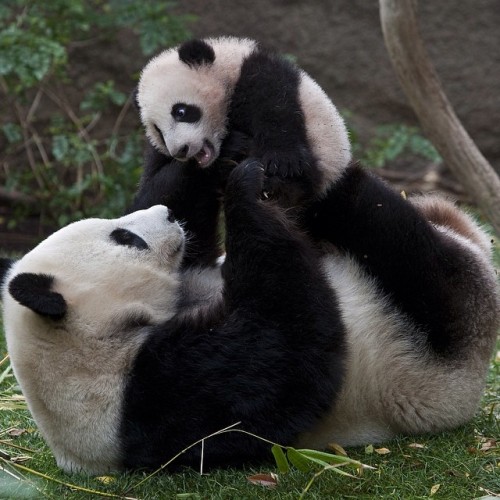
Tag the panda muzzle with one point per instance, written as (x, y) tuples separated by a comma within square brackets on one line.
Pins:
[(206, 155)]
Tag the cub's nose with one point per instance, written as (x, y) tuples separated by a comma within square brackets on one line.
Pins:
[(181, 153)]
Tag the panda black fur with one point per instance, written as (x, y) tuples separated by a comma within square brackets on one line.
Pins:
[(211, 99), (122, 368), (417, 292)]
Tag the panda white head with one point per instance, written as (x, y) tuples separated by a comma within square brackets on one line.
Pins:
[(184, 96), (97, 270)]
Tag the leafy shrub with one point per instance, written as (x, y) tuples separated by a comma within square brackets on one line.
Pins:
[(391, 142), (72, 161)]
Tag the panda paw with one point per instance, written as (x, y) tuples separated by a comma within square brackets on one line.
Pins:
[(246, 179), (286, 164), (235, 147)]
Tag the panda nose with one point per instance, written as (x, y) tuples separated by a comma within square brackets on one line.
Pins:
[(170, 216), (182, 152)]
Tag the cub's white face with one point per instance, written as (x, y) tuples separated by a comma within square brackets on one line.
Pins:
[(183, 109), (116, 277)]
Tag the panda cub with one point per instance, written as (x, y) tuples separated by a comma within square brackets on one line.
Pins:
[(218, 98), (126, 358)]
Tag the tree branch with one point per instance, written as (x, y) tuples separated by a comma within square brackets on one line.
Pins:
[(435, 113)]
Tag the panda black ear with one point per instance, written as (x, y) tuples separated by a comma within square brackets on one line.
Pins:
[(5, 265), (196, 52), (33, 291)]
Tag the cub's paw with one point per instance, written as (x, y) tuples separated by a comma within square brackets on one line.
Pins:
[(246, 179), (288, 164)]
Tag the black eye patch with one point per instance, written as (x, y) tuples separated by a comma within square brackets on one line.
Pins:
[(128, 238), (186, 113)]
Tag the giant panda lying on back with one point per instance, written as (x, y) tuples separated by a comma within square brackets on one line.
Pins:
[(413, 279), (126, 357)]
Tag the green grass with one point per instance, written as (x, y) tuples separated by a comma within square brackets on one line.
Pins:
[(452, 460)]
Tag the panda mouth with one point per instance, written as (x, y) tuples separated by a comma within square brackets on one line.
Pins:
[(206, 155)]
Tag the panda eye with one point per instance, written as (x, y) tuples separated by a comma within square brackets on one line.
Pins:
[(186, 113), (128, 238)]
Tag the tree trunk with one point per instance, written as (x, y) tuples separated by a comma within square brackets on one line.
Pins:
[(435, 113)]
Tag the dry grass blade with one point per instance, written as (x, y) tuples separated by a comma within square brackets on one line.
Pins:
[(4, 360), (16, 446), (166, 464), (12, 403), (63, 483)]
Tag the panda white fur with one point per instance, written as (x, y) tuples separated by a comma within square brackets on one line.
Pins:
[(388, 332), (194, 97)]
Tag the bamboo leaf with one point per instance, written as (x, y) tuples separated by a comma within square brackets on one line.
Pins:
[(280, 459), (298, 460), (329, 458), (337, 449)]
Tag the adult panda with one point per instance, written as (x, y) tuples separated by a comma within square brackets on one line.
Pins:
[(412, 297), (416, 289), (211, 100), (126, 359)]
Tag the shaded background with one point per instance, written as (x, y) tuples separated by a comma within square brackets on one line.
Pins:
[(340, 44)]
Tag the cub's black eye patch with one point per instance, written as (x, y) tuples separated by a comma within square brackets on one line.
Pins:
[(128, 238), (186, 113)]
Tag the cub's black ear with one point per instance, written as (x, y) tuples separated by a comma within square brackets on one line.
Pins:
[(33, 291), (196, 53), (5, 265)]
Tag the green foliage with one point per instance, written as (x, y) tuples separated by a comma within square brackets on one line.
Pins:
[(391, 142), (77, 161), (155, 25)]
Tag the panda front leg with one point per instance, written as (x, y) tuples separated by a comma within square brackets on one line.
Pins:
[(266, 105), (431, 274), (192, 194), (291, 352)]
